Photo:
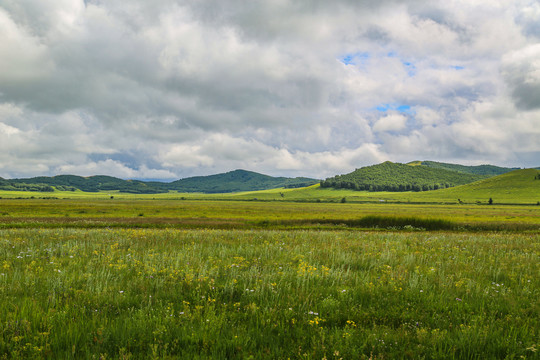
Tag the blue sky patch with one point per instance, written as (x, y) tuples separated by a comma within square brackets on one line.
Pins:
[(409, 67), (359, 58), (402, 108)]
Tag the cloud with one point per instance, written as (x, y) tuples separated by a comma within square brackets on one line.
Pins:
[(521, 70), (115, 168), (390, 122), (168, 89)]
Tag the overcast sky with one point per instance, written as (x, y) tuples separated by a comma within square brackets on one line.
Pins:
[(166, 89)]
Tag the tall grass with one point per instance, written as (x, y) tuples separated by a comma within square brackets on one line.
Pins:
[(225, 294)]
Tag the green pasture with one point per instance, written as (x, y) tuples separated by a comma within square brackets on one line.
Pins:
[(236, 294), (277, 274), (224, 214)]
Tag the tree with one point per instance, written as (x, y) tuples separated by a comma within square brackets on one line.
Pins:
[(490, 202)]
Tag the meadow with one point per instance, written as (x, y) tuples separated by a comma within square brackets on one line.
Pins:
[(141, 212), (193, 276), (276, 294)]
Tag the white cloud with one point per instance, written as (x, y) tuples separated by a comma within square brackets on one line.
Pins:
[(521, 70), (114, 168), (8, 130), (390, 122), (204, 86), (427, 116)]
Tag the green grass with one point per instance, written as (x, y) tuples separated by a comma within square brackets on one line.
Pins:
[(226, 214), (225, 294), (290, 275)]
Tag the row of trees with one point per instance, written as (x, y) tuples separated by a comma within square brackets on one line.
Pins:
[(382, 187), (25, 187)]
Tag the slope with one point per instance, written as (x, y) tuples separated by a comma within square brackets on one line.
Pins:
[(518, 186)]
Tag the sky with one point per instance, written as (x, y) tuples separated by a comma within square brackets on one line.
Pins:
[(168, 89)]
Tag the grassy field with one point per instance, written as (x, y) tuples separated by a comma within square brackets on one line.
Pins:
[(225, 214), (224, 294), (87, 276)]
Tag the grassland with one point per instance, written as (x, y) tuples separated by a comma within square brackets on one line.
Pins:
[(225, 294), (223, 214), (296, 274)]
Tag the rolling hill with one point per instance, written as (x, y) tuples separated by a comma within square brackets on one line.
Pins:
[(238, 180), (89, 184), (390, 176), (235, 181), (387, 177), (516, 187)]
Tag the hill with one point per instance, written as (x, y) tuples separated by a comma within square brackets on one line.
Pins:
[(21, 186), (487, 170), (91, 184), (390, 176), (236, 181), (516, 187)]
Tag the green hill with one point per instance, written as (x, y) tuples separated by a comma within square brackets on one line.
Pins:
[(516, 187), (10, 185), (88, 184), (236, 181), (487, 170), (390, 176)]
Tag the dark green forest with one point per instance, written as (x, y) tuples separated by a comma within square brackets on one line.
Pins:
[(390, 176)]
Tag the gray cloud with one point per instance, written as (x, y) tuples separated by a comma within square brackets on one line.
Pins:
[(167, 88), (521, 70)]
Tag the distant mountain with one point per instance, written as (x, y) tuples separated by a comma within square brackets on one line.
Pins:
[(390, 176), (488, 170), (92, 184), (236, 181), (15, 186)]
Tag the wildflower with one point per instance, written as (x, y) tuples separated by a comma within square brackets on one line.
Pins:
[(458, 299)]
